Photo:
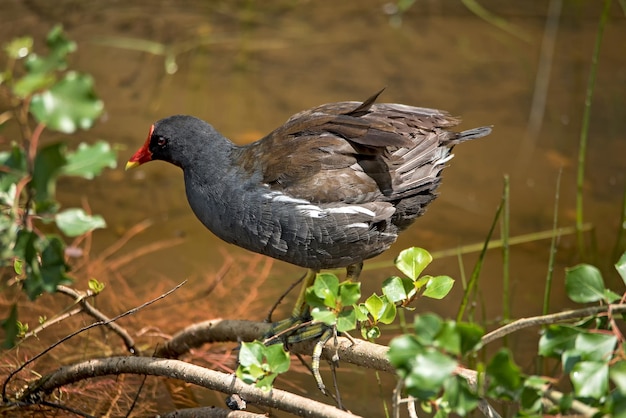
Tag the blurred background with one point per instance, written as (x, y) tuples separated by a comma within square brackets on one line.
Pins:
[(246, 66)]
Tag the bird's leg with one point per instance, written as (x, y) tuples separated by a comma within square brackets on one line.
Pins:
[(297, 328), (300, 309), (353, 271), (317, 355), (298, 318)]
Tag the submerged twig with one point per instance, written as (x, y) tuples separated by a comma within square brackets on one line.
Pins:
[(83, 329)]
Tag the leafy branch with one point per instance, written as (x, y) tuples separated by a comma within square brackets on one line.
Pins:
[(40, 87)]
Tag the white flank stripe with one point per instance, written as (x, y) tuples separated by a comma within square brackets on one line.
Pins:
[(315, 211), (312, 211), (352, 210), (283, 198), (358, 225)]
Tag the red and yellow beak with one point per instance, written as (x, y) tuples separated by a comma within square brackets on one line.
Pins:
[(143, 155)]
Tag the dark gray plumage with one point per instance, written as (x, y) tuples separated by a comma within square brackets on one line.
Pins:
[(331, 187)]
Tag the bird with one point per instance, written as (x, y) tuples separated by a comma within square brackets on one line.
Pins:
[(332, 187)]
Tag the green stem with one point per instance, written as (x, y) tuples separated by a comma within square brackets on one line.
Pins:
[(506, 308), (555, 236), (473, 281), (584, 131)]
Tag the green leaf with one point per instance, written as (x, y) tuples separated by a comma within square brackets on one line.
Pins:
[(88, 161), (374, 305), (583, 283), (532, 395), (389, 311), (430, 370), (68, 105), (324, 316), (260, 364), (621, 267), (266, 382), (458, 396), (448, 338), (398, 289), (590, 379), (48, 164), (505, 375), (370, 333), (95, 286), (557, 339), (15, 159), (53, 266), (9, 325), (438, 287), (18, 266), (413, 261), (349, 293), (617, 373), (617, 402), (25, 246), (44, 263), (75, 222), (251, 354), (59, 47), (31, 83), (326, 287), (594, 346), (361, 312), (570, 358), (610, 296), (427, 326), (346, 321), (58, 43), (471, 335), (402, 353), (277, 358), (22, 329), (249, 374), (19, 48)]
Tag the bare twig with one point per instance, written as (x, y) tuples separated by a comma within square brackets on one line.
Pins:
[(282, 296), (95, 313), (73, 334), (550, 319), (50, 322)]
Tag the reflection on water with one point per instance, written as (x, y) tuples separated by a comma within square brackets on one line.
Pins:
[(246, 67)]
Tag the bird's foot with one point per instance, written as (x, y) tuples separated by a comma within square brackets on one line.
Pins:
[(295, 330)]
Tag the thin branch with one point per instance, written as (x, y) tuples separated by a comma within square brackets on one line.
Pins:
[(181, 370), (73, 334), (550, 319), (95, 313), (51, 322), (67, 409)]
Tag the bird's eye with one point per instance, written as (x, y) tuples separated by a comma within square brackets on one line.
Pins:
[(162, 142)]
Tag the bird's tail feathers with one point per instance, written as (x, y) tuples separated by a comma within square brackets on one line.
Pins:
[(469, 134)]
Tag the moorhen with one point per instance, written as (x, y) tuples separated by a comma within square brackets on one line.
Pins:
[(330, 188)]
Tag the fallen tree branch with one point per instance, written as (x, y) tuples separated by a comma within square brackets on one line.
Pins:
[(211, 412), (176, 369), (361, 353)]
